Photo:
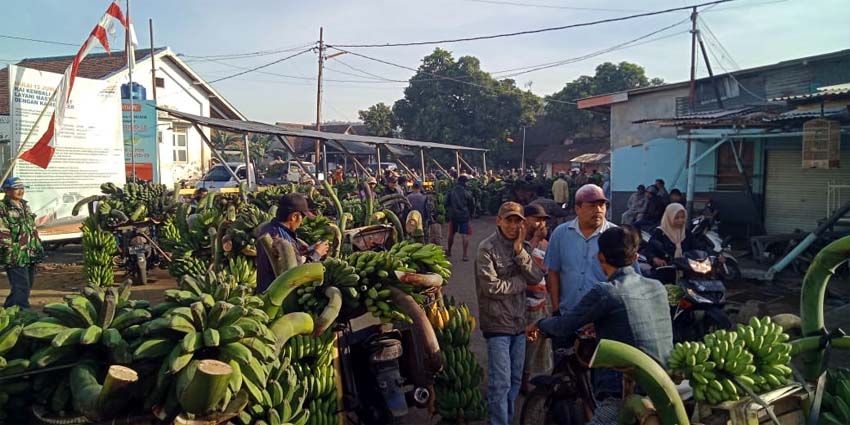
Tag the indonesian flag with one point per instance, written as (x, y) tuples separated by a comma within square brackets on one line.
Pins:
[(42, 152)]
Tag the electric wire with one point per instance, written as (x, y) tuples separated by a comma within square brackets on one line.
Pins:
[(535, 31), (261, 66), (549, 6)]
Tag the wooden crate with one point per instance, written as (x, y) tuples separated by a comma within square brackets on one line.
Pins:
[(787, 403)]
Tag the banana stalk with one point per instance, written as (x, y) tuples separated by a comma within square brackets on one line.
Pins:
[(422, 328), (811, 344), (812, 297), (370, 204), (99, 402), (288, 281), (289, 325), (337, 205), (399, 229), (337, 241), (206, 388), (647, 373), (637, 409), (331, 311)]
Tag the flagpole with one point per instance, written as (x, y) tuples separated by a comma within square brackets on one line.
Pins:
[(29, 135), (130, 61)]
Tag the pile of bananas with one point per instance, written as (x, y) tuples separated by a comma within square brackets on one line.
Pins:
[(422, 258), (836, 398), (243, 271), (12, 322), (754, 356), (356, 210), (376, 272), (317, 228), (458, 398), (99, 248), (452, 324), (136, 202), (239, 239), (312, 361), (285, 404)]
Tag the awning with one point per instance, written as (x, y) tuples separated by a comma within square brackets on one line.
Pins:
[(345, 139), (593, 158)]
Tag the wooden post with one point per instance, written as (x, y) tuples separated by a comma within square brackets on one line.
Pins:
[(422, 160), (457, 162), (378, 152), (484, 161)]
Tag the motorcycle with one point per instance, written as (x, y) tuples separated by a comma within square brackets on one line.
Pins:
[(704, 227), (700, 309), (565, 396), (137, 252)]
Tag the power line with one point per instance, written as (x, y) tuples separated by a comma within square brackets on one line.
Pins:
[(729, 74), (549, 6), (536, 31), (724, 53), (223, 56), (261, 66), (441, 77), (35, 40)]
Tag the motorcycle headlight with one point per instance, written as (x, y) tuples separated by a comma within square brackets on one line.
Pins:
[(701, 267)]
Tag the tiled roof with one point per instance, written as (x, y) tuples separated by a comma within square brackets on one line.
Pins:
[(95, 66)]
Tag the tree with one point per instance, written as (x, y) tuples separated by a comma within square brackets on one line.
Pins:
[(469, 107), (379, 120), (609, 78)]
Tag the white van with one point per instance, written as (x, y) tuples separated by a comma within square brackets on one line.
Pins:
[(293, 173), (218, 177)]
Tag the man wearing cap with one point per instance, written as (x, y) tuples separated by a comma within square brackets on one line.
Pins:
[(653, 210), (395, 205), (571, 259), (625, 307), (504, 269), (20, 246), (538, 354), (291, 210), (372, 183), (459, 206)]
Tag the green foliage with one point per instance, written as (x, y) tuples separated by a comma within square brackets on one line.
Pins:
[(479, 115), (379, 120), (608, 78)]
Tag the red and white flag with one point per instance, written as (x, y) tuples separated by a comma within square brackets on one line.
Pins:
[(42, 152)]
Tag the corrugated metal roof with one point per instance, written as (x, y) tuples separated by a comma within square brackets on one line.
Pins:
[(839, 90), (810, 113), (715, 117), (593, 158), (263, 128)]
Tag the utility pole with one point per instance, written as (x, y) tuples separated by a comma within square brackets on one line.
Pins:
[(522, 159), (319, 99), (131, 60), (689, 192)]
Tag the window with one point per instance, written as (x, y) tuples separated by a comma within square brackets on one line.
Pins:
[(179, 148), (728, 177)]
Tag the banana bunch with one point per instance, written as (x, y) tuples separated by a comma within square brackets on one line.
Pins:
[(97, 318), (836, 398), (99, 247), (355, 209), (243, 271), (223, 201), (269, 198), (187, 266), (344, 276), (754, 356), (771, 353), (205, 329), (314, 229), (12, 322), (285, 404), (423, 258), (135, 202), (376, 271), (458, 398), (312, 361), (452, 324), (208, 287)]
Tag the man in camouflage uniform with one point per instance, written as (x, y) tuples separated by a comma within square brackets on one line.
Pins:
[(20, 246)]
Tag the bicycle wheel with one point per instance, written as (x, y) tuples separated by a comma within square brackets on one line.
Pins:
[(535, 408)]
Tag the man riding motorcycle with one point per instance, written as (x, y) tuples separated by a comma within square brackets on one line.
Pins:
[(628, 308)]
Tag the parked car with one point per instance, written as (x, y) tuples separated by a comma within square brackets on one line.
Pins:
[(218, 177), (373, 168)]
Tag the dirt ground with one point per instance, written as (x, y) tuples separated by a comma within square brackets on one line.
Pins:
[(62, 274)]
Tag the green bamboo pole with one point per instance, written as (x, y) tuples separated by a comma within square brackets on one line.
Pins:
[(812, 297), (648, 374)]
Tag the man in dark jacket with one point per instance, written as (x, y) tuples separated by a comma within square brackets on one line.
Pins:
[(654, 209), (628, 308), (459, 206), (291, 210), (504, 269)]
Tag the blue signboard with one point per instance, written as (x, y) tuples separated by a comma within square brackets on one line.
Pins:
[(143, 145)]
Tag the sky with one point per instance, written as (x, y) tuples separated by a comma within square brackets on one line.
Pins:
[(741, 34)]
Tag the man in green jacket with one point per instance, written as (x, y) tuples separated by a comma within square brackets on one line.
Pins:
[(20, 246)]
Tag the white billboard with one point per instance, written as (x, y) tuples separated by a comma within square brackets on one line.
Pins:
[(89, 149)]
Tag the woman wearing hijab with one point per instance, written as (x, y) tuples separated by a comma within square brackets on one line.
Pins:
[(671, 239)]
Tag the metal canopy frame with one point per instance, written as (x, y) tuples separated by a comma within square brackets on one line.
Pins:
[(245, 126)]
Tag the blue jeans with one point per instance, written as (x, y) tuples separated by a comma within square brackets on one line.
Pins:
[(21, 280), (505, 358)]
